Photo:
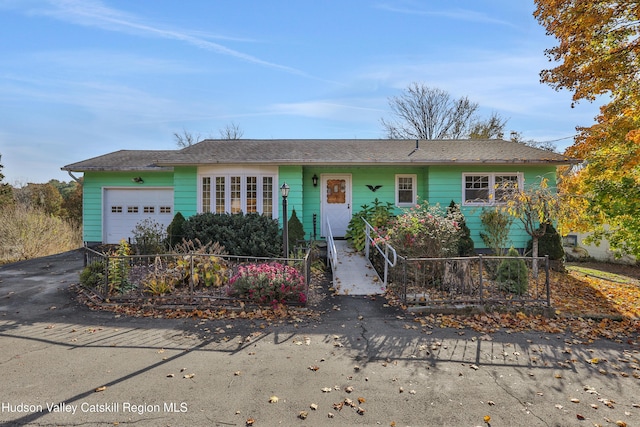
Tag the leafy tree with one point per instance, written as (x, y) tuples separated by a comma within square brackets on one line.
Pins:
[(536, 207), (598, 53), (72, 202), (603, 194), (43, 196), (599, 45)]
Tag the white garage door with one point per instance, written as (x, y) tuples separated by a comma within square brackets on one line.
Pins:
[(124, 208)]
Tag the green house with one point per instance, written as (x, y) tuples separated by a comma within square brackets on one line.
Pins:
[(329, 180)]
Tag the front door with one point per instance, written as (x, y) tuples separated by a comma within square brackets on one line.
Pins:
[(336, 203)]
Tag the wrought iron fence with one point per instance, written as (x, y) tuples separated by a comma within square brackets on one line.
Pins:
[(464, 281), (192, 278)]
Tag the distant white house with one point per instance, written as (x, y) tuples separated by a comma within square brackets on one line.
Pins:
[(575, 248)]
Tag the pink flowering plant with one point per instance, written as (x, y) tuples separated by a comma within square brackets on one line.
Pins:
[(268, 283), (424, 231)]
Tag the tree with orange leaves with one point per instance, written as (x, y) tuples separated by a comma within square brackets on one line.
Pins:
[(598, 53)]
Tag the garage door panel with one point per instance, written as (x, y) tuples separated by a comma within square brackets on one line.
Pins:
[(124, 208)]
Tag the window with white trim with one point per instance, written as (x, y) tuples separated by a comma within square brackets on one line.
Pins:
[(480, 189), (406, 190), (237, 193)]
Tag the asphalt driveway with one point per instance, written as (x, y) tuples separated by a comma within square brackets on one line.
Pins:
[(360, 363)]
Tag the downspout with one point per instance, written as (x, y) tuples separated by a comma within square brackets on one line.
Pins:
[(74, 178)]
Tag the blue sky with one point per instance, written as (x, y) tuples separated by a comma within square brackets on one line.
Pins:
[(81, 78)]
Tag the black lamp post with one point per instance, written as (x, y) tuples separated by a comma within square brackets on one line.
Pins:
[(284, 190)]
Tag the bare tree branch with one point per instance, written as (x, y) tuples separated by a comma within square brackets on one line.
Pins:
[(422, 112), (186, 138), (231, 131)]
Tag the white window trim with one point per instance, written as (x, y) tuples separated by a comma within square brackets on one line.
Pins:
[(414, 184), (243, 191), (492, 187)]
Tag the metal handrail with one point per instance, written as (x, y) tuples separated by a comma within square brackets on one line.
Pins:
[(385, 253), (332, 253)]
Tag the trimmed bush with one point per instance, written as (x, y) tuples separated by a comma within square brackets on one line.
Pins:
[(466, 246), (245, 235), (497, 225), (175, 230), (549, 244), (296, 230), (93, 275), (512, 275)]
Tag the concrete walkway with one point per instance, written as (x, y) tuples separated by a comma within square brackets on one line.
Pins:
[(354, 275)]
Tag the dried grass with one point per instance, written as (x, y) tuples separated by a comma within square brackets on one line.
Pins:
[(28, 232)]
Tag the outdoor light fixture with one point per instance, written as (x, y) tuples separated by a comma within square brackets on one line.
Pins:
[(284, 190), (314, 179)]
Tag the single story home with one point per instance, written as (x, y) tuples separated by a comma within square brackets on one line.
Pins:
[(329, 180)]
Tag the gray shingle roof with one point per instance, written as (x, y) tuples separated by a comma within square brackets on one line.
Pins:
[(327, 151), (123, 160)]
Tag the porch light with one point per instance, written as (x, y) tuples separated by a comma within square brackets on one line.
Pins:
[(284, 190), (314, 179)]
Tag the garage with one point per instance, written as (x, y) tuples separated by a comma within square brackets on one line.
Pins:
[(125, 207)]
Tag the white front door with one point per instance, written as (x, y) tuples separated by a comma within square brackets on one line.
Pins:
[(336, 203)]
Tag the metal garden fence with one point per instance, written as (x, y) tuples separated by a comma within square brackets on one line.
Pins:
[(463, 281), (194, 278)]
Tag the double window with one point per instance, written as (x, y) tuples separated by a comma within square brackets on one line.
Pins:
[(237, 193), (489, 188)]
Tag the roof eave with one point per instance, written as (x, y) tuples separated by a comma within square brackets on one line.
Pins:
[(377, 162), (117, 169)]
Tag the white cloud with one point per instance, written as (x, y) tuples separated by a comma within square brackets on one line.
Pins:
[(457, 14), (93, 13), (328, 109)]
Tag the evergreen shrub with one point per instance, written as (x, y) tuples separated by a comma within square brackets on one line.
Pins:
[(244, 235)]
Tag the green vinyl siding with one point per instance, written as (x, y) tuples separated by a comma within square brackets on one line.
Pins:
[(361, 176), (185, 191), (445, 184), (435, 184), (92, 194), (292, 175)]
